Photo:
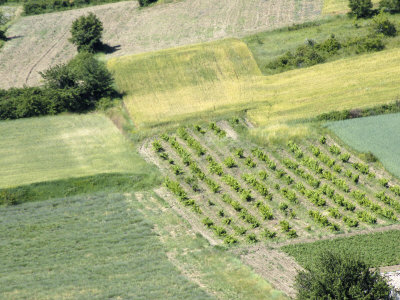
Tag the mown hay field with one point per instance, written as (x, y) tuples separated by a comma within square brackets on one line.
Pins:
[(378, 134), (41, 41), (51, 148), (223, 76)]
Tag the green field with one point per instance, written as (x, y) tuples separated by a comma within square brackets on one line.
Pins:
[(94, 247), (376, 249), (223, 76), (52, 148), (378, 134), (105, 246), (241, 193), (268, 46)]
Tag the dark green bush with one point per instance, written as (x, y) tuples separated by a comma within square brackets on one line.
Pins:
[(391, 6), (361, 8), (86, 33), (74, 87), (382, 25), (146, 2), (340, 276)]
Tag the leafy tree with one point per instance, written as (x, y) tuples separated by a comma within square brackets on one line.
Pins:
[(86, 33), (361, 8), (392, 6), (85, 76), (381, 24), (146, 2), (340, 276)]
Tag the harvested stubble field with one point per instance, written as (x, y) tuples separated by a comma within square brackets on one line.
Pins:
[(51, 148), (42, 41), (378, 134), (223, 76), (245, 194)]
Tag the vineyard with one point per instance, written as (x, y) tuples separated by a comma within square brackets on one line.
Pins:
[(245, 194)]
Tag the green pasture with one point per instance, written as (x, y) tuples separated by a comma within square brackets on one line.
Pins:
[(104, 245), (94, 247), (59, 147), (378, 134), (376, 249)]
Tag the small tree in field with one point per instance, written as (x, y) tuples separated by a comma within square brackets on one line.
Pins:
[(86, 33), (340, 276), (361, 8), (146, 2)]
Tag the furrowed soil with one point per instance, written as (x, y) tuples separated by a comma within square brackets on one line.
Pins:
[(38, 42)]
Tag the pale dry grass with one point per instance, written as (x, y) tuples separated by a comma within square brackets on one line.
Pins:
[(334, 7), (171, 85), (42, 40)]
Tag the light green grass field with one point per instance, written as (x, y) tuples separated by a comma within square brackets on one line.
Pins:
[(376, 249), (51, 148), (378, 134), (94, 247), (108, 246), (223, 76), (339, 6), (268, 46)]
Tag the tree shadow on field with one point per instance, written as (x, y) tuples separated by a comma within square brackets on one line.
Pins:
[(107, 49)]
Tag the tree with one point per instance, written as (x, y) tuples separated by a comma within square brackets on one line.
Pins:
[(86, 33), (146, 2), (84, 77), (392, 6), (340, 276), (361, 8)]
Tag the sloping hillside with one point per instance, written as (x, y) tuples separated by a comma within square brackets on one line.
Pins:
[(41, 41)]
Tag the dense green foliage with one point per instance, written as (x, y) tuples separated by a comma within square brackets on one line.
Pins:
[(376, 134), (146, 2), (112, 182), (340, 276), (382, 25), (360, 113), (313, 53), (75, 87), (375, 249), (93, 247), (361, 8), (35, 7), (86, 32), (392, 6), (354, 37)]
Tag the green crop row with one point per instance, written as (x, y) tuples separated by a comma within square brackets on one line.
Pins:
[(323, 220), (192, 142), (178, 191), (217, 130), (264, 157)]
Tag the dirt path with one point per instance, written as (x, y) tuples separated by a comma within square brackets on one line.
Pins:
[(42, 41)]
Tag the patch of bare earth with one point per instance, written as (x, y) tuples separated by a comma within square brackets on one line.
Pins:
[(42, 41), (275, 266)]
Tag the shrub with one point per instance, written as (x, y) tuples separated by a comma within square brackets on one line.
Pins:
[(382, 25), (330, 46), (345, 157), (392, 6), (325, 279), (252, 238), (143, 3), (230, 240), (384, 182), (361, 8), (230, 162), (268, 234), (239, 153), (86, 33)]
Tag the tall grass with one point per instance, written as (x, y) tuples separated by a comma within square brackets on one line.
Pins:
[(53, 148)]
